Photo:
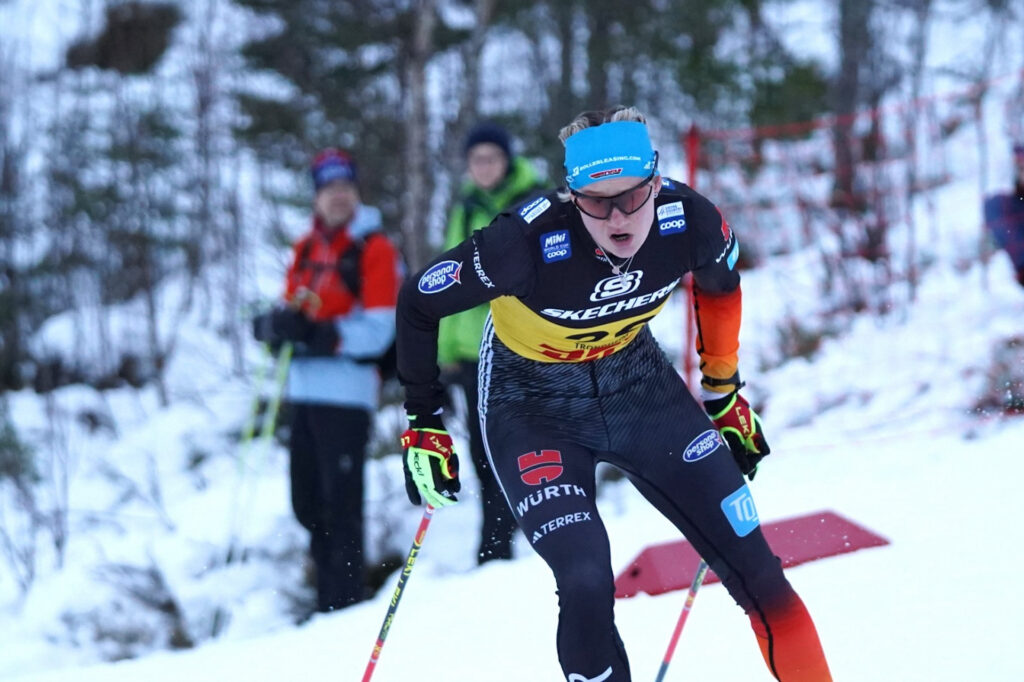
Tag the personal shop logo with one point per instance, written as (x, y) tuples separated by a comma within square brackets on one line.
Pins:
[(702, 446), (440, 276)]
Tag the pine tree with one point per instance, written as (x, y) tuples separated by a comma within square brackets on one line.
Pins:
[(350, 64)]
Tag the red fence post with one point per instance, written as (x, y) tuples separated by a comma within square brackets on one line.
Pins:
[(692, 146)]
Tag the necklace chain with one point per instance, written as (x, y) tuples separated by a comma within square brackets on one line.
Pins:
[(622, 269)]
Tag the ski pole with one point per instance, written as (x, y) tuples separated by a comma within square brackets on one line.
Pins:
[(417, 543), (281, 377), (244, 464), (250, 423), (702, 569)]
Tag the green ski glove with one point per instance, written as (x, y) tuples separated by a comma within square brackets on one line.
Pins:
[(741, 428), (430, 463)]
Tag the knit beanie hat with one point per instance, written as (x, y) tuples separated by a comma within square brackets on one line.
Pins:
[(332, 164), (489, 131)]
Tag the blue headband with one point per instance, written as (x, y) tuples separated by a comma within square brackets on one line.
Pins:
[(609, 150)]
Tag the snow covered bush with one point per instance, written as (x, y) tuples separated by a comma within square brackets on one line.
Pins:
[(1004, 385)]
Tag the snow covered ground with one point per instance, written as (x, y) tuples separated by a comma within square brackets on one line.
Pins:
[(878, 428)]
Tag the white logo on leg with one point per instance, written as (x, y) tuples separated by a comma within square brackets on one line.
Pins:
[(576, 677)]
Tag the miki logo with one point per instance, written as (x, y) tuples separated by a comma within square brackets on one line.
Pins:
[(555, 246), (555, 239)]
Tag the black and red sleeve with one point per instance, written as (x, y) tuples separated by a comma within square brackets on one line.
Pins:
[(717, 298)]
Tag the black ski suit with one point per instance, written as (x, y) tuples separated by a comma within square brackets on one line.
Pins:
[(570, 375)]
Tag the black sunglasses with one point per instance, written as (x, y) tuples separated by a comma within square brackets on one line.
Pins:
[(628, 202)]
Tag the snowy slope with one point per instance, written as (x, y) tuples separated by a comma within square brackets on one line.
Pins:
[(903, 454)]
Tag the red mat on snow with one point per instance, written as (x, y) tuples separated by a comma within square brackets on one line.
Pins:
[(672, 565)]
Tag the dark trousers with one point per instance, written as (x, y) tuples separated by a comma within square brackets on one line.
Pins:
[(547, 427), (498, 525), (1004, 217), (328, 450)]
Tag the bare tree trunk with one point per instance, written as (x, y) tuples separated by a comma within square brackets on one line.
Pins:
[(598, 60), (236, 254), (854, 46), (416, 199), (58, 478), (993, 31), (561, 93), (919, 45), (469, 97), (205, 238)]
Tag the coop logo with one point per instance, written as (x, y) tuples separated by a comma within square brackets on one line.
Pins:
[(533, 209), (672, 226), (538, 468), (702, 446), (671, 218), (539, 497), (740, 510), (555, 246), (440, 276), (617, 285)]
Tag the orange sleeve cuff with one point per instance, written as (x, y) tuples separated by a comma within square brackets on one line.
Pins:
[(718, 338)]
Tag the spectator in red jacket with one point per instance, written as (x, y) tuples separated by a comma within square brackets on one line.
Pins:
[(338, 313)]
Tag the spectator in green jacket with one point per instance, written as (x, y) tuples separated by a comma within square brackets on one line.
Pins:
[(497, 180)]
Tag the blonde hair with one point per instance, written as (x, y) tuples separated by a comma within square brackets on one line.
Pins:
[(590, 119)]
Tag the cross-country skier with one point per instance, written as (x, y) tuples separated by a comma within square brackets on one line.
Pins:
[(571, 375)]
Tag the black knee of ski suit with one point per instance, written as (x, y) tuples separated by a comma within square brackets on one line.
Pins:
[(546, 427)]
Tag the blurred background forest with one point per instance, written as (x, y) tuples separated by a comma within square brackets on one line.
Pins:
[(168, 136)]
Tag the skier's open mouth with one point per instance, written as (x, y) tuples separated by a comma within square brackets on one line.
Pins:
[(620, 237)]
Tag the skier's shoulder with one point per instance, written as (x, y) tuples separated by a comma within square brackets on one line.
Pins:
[(680, 209), (676, 191), (536, 208), (524, 220)]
